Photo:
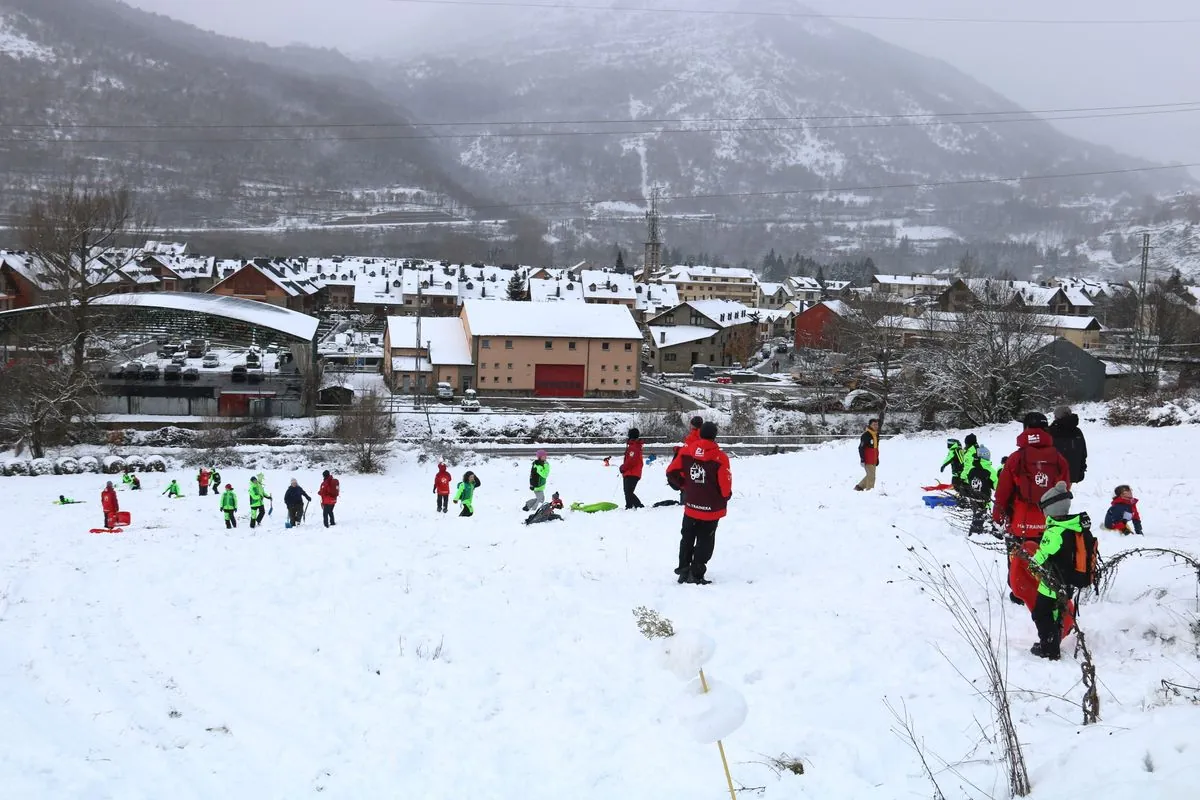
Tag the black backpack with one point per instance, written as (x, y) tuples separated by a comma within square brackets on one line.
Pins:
[(1075, 562)]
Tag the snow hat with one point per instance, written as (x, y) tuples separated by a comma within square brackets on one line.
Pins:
[(1062, 412), (970, 440), (441, 466), (634, 433), (708, 431), (1035, 419), (254, 479), (1056, 502), (325, 474), (953, 443), (697, 421), (541, 454), (229, 486), (109, 486)]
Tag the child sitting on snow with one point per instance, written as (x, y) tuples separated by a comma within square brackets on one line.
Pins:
[(173, 490), (1123, 513), (546, 512)]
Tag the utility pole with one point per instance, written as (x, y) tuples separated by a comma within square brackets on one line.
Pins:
[(1145, 367), (417, 351), (653, 260)]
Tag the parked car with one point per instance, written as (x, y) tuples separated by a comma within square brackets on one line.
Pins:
[(179, 359), (196, 348), (238, 373), (191, 374), (133, 371), (116, 370), (470, 401), (252, 359), (781, 348), (254, 376), (445, 391), (211, 360), (150, 372), (723, 379), (172, 372)]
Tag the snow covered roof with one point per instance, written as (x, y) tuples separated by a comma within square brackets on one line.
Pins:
[(265, 315), (379, 290), (653, 296), (277, 273), (446, 337), (1077, 297), (601, 285), (928, 281), (671, 335), (517, 319), (839, 307), (723, 312), (701, 273), (433, 282), (1069, 322), (411, 364), (803, 283)]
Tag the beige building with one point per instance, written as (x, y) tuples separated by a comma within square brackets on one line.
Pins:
[(716, 333), (444, 354), (715, 283), (553, 349)]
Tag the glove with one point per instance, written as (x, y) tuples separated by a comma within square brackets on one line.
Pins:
[(943, 469), (455, 502)]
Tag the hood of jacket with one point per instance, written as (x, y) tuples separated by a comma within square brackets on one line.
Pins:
[(1035, 439), (1065, 424), (442, 469)]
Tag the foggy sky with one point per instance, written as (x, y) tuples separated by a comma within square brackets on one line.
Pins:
[(1038, 66)]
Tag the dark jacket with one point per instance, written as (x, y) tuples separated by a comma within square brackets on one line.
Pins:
[(1069, 441), (701, 472), (1122, 515), (293, 494), (631, 467)]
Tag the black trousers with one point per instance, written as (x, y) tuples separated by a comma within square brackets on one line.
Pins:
[(294, 513), (630, 483), (466, 511), (230, 519), (977, 493), (257, 514), (443, 503), (327, 514), (1049, 625), (203, 489), (697, 539)]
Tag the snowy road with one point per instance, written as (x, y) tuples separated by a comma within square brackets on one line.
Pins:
[(402, 654)]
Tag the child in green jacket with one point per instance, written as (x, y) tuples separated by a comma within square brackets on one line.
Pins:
[(466, 493), (229, 506), (173, 490)]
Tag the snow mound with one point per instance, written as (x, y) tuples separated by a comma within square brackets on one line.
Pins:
[(89, 464), (16, 466), (113, 464), (685, 653), (712, 715), (66, 466), (135, 462), (156, 464), (41, 466)]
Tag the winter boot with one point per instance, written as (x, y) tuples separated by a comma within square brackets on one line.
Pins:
[(1046, 650), (700, 580), (1012, 598)]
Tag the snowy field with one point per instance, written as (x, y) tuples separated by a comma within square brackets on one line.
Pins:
[(402, 654)]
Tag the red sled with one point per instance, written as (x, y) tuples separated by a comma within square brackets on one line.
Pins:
[(940, 487), (106, 530), (119, 518)]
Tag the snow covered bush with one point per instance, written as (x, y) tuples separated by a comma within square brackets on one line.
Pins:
[(66, 466), (113, 465), (1156, 411), (156, 464), (16, 466), (135, 462), (41, 466), (169, 436), (89, 464)]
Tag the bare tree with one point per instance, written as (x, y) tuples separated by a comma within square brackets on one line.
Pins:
[(80, 238), (365, 430), (992, 365), (872, 342), (41, 403)]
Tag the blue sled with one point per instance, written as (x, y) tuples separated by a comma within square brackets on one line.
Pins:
[(936, 500)]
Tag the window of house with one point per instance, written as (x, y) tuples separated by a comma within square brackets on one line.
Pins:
[(483, 365), (668, 356), (604, 367), (510, 365), (629, 347), (629, 367), (496, 365), (508, 344), (628, 382), (486, 344), (604, 346), (495, 379), (508, 379), (604, 380), (570, 345), (549, 345)]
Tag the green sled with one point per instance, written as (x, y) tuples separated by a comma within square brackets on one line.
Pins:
[(592, 508)]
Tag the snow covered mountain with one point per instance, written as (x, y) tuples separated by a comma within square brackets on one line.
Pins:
[(71, 65), (775, 103)]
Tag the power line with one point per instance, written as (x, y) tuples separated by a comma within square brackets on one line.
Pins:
[(807, 14), (558, 134), (847, 189), (656, 121)]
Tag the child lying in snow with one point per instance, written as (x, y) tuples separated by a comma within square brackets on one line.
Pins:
[(1123, 513), (546, 512)]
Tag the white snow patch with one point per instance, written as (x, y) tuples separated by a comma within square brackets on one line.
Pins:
[(17, 45)]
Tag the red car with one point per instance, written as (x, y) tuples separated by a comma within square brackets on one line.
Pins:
[(724, 379)]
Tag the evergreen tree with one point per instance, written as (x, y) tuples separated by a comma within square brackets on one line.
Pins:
[(620, 266), (516, 287)]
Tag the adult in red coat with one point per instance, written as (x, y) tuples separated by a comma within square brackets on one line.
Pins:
[(110, 505), (441, 487), (631, 468), (1027, 475), (701, 471), (329, 491)]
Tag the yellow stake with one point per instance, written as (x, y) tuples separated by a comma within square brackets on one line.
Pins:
[(720, 746)]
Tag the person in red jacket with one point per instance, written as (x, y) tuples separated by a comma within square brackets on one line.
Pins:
[(693, 434), (202, 480), (701, 472), (110, 505), (868, 456), (330, 488), (441, 487), (631, 469), (1027, 475)]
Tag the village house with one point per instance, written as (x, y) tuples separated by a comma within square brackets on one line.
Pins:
[(553, 349), (268, 281), (715, 283), (817, 327), (443, 354), (711, 332)]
